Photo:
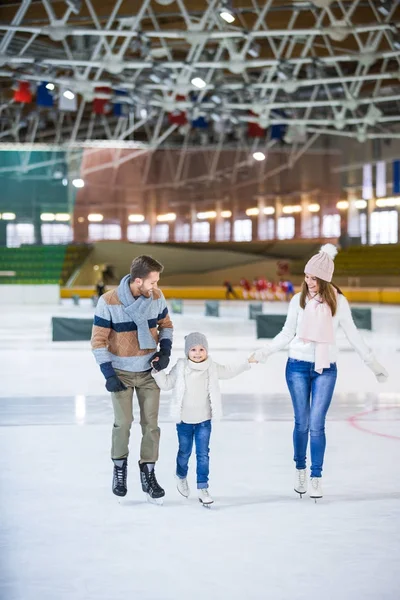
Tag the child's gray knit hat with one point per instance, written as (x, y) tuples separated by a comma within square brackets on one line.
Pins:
[(195, 339)]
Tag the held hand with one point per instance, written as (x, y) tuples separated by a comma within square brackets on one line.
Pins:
[(252, 359), (160, 360), (260, 356), (378, 370), (113, 384)]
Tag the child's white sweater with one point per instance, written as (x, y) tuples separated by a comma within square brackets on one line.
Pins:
[(196, 394)]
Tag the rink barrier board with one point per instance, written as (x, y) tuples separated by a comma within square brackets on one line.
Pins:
[(69, 329), (367, 295)]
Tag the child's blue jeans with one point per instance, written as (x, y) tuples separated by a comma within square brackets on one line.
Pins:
[(311, 394), (200, 433)]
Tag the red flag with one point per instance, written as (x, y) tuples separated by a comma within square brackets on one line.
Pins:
[(178, 117), (23, 92), (102, 104), (253, 129)]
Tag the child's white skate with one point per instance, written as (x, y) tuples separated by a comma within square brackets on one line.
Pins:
[(205, 498), (300, 482), (182, 486), (316, 488)]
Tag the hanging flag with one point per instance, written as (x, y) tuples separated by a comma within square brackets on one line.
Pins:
[(102, 100), (68, 102), (121, 105), (396, 177), (177, 116), (23, 93), (44, 97), (253, 129), (380, 179), (367, 188), (200, 123), (277, 131)]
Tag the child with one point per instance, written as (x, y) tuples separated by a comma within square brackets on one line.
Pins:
[(196, 400)]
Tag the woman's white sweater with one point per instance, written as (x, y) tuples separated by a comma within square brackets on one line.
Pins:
[(289, 336), (196, 394)]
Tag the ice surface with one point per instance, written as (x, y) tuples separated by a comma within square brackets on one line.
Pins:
[(65, 536)]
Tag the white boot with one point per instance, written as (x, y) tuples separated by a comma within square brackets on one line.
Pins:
[(204, 497), (300, 481), (182, 486), (316, 488)]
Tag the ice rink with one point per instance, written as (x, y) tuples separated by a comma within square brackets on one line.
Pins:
[(64, 536)]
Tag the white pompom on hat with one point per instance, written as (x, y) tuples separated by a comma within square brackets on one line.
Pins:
[(321, 265)]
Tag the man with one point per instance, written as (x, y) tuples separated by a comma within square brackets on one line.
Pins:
[(129, 322)]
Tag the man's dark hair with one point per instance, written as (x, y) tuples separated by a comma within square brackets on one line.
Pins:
[(143, 265)]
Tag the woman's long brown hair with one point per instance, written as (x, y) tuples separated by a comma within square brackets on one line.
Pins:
[(327, 291)]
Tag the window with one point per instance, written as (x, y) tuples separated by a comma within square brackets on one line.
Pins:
[(242, 230), (201, 232), (19, 233), (363, 228), (57, 233), (182, 232), (331, 226), (270, 229), (161, 232), (139, 233), (223, 231), (104, 231), (384, 227), (286, 228)]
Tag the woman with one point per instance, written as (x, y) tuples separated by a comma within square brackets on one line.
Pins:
[(310, 328)]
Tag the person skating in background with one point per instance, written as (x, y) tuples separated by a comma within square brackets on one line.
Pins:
[(196, 402), (229, 291), (129, 322), (310, 331), (246, 287)]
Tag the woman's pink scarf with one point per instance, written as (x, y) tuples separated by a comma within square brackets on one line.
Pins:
[(317, 326)]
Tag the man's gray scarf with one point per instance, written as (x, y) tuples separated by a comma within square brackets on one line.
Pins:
[(139, 311)]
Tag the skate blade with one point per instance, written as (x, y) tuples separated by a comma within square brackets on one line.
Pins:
[(156, 501), (183, 495), (301, 494), (206, 504)]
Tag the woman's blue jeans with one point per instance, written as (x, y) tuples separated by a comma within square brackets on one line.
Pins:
[(311, 394), (200, 433)]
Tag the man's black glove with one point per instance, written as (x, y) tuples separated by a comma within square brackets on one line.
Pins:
[(113, 384), (163, 359)]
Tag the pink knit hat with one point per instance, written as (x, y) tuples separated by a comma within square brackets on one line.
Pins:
[(321, 265)]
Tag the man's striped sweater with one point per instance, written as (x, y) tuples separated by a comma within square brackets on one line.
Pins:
[(115, 335)]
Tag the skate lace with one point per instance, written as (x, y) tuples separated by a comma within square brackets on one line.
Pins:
[(205, 493), (302, 477), (153, 483), (120, 475), (315, 482)]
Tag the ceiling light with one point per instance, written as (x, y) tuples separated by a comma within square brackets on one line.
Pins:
[(210, 214), (154, 78), (342, 205), (65, 181), (387, 202), (254, 50), (143, 113), (314, 208), (252, 212), (199, 82), (290, 209), (385, 7), (269, 210), (226, 12), (259, 156), (81, 219), (78, 183), (47, 217), (8, 216), (360, 204), (167, 217), (50, 86), (216, 99), (69, 95), (136, 218), (226, 214), (322, 3), (63, 217), (95, 218)]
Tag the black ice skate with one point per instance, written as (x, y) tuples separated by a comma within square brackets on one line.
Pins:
[(120, 475), (150, 485)]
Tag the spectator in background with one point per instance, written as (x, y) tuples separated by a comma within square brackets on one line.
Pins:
[(246, 287), (100, 288), (229, 291)]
